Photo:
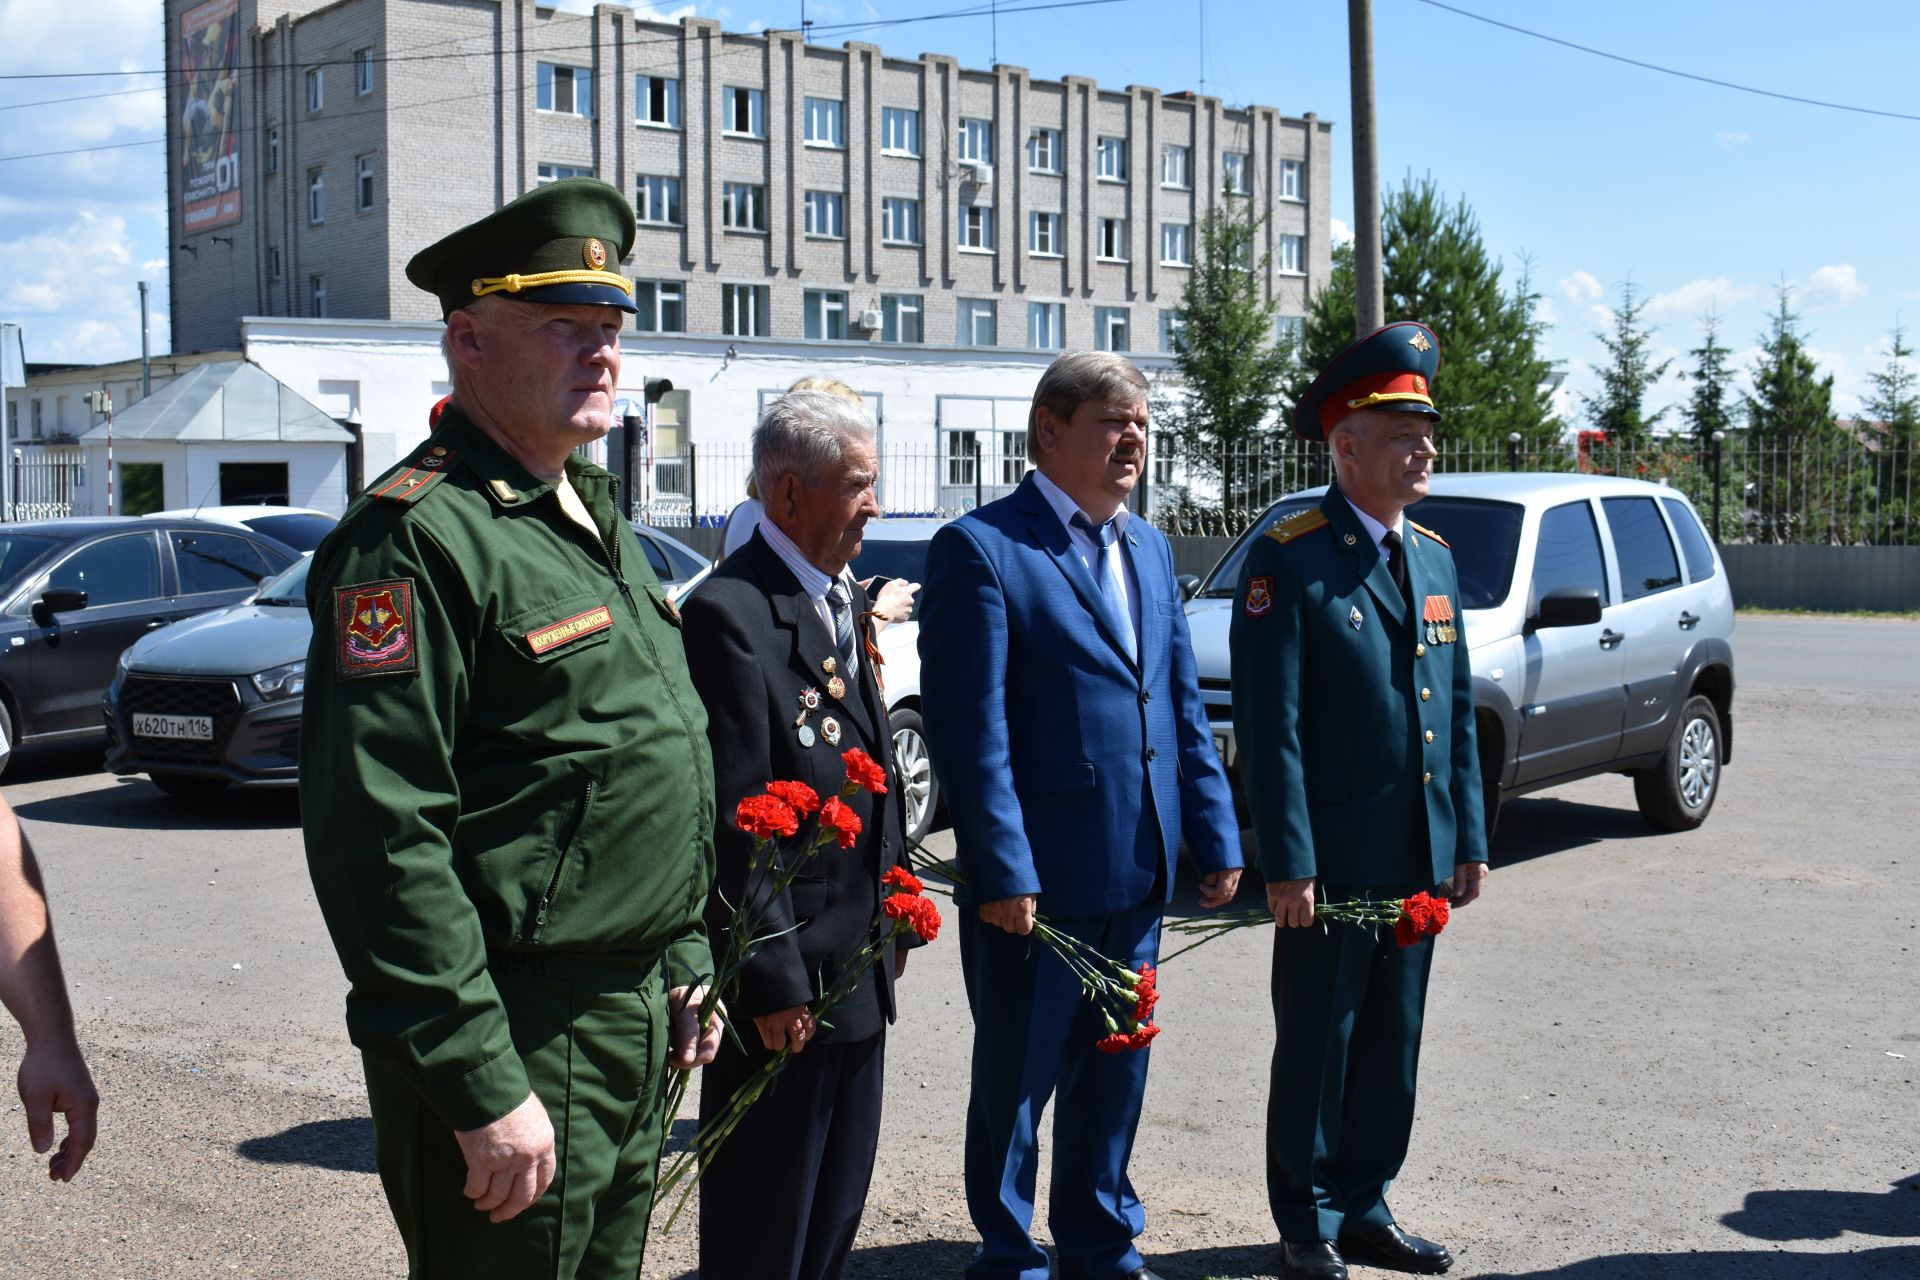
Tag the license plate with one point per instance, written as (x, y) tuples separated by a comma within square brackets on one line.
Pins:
[(196, 728)]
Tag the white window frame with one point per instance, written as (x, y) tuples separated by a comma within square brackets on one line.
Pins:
[(1110, 158), (975, 228), (897, 307), (973, 140), (579, 85), (962, 456), (651, 189), (363, 183), (825, 123), (543, 174), (1236, 173), (316, 88), (1046, 326), (1171, 323), (1043, 235), (1290, 254), (756, 299), (1176, 244), (652, 298), (1110, 243), (825, 215), (900, 131), (970, 312), (317, 296), (1106, 322), (756, 103), (1176, 167), (899, 220), (1284, 325), (362, 72), (643, 86), (748, 196), (822, 311), (1291, 174), (316, 195), (1043, 150)]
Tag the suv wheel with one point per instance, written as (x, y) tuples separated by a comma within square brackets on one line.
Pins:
[(187, 786), (915, 769), (1678, 793)]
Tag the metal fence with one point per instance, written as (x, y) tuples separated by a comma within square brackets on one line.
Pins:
[(48, 489), (1838, 490)]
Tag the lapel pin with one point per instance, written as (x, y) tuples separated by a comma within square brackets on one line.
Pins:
[(1353, 617), (830, 730), (836, 688), (810, 699), (1350, 539), (827, 665)]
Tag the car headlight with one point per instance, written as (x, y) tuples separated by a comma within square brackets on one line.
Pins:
[(289, 681)]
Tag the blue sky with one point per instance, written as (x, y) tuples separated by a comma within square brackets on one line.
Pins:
[(1600, 172)]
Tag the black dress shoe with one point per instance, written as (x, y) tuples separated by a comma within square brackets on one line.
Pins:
[(1394, 1249), (1316, 1260), (1138, 1273)]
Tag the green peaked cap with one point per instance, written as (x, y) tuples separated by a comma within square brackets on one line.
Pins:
[(561, 243)]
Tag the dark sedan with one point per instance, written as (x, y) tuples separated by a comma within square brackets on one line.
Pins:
[(74, 594)]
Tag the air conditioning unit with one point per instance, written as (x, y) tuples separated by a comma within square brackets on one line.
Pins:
[(870, 318), (982, 174)]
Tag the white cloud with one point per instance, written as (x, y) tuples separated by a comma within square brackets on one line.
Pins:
[(1727, 139), (1600, 316), (1697, 296), (1582, 287), (82, 306), (1832, 286), (1342, 233), (1546, 312)]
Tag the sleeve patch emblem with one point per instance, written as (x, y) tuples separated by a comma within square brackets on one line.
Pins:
[(374, 626), (1259, 597), (553, 635)]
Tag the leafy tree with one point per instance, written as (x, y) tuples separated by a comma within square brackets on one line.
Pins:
[(1620, 408), (1492, 379), (1709, 408)]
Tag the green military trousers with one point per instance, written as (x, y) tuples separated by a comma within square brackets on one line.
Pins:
[(595, 1050)]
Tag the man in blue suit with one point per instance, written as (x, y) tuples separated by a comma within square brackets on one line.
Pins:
[(1353, 711), (1064, 717)]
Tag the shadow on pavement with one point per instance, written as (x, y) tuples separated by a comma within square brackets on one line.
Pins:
[(894, 1261), (36, 764), (135, 804), (1536, 826), (1897, 1263), (344, 1145), (680, 1136), (1827, 1215)]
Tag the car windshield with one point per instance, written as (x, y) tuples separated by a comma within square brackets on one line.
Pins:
[(20, 552), (891, 559), (290, 588), (301, 530), (1484, 536)]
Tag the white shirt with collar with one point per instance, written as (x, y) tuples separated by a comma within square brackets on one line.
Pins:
[(1375, 529), (813, 581), (1098, 560)]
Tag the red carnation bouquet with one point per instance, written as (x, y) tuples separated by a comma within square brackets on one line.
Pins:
[(1412, 919), (769, 818)]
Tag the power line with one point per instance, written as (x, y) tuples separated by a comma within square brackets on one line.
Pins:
[(1670, 71)]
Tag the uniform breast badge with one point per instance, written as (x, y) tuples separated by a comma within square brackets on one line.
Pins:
[(1439, 618), (830, 730), (1354, 617), (1259, 597), (836, 688), (805, 732)]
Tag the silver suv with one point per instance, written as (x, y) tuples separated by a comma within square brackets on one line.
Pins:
[(1600, 627)]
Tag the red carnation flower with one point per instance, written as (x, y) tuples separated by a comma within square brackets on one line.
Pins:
[(1407, 930), (802, 797), (1115, 1043), (898, 906), (902, 880), (764, 817), (1144, 1036), (925, 917), (1145, 998), (862, 771), (842, 821)]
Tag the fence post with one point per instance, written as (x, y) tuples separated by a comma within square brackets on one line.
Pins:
[(1718, 437), (693, 488)]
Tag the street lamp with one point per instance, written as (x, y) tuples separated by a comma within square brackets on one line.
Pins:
[(1513, 450), (1717, 437)]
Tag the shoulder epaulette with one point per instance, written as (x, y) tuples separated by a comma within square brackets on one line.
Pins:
[(1431, 534), (1298, 523), (412, 482)]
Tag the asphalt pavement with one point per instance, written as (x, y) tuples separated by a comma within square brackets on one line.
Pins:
[(1647, 1055)]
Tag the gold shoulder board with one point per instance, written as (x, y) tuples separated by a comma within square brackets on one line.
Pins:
[(1295, 525), (1431, 534)]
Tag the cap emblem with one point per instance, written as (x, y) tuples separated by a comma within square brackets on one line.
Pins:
[(594, 254), (1419, 384), (1419, 341)]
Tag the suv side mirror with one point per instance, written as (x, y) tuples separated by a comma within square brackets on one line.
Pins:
[(57, 600), (1566, 607), (1189, 584)]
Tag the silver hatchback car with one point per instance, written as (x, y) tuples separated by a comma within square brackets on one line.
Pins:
[(1600, 626)]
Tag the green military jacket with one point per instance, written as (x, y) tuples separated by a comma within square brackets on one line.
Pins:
[(1353, 715), (501, 751)]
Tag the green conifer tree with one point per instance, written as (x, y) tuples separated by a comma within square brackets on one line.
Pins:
[(1620, 408)]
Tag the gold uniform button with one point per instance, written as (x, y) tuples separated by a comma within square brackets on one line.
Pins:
[(1419, 651), (1429, 735), (1425, 778), (1426, 695), (439, 452)]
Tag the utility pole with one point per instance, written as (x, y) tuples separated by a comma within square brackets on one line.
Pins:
[(13, 369), (146, 356), (1369, 288)]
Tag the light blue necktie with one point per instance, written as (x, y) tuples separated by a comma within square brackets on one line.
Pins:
[(1110, 593)]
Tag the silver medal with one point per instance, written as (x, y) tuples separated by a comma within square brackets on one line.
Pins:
[(806, 735)]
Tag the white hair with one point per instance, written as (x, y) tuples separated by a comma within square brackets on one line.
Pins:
[(806, 433)]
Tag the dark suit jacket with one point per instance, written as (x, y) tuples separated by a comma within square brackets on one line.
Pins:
[(754, 645), (1071, 771)]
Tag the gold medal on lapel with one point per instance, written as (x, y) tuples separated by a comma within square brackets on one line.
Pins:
[(836, 688), (830, 730)]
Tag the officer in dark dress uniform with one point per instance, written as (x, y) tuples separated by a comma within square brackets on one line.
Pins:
[(1353, 712), (504, 778)]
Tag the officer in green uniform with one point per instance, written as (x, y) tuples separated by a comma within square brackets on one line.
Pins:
[(1353, 712), (505, 778)]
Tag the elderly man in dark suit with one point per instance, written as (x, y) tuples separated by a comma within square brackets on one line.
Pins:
[(780, 652)]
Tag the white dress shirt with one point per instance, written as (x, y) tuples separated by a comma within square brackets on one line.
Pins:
[(814, 582), (1107, 561), (1376, 530)]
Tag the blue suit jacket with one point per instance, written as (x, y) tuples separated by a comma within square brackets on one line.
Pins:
[(1070, 771)]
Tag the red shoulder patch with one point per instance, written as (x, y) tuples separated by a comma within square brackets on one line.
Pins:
[(374, 631), (1259, 596)]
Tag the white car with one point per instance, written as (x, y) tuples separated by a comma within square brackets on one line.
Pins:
[(897, 548), (300, 528)]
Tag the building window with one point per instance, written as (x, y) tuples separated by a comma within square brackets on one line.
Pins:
[(743, 207), (1043, 234), (1043, 151), (1110, 160), (656, 101), (974, 143), (317, 295), (316, 88), (273, 151), (825, 313), (826, 122), (316, 196), (661, 306), (1176, 167), (976, 227), (744, 311), (1046, 325), (826, 215), (963, 458), (899, 220), (38, 422), (566, 90), (1173, 245), (363, 183), (1290, 256), (273, 262), (1234, 167), (1110, 329), (545, 173), (900, 131), (1290, 180), (657, 201), (362, 72), (1173, 325), (1111, 242), (1013, 456), (900, 317), (976, 322), (743, 112), (1286, 330)]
